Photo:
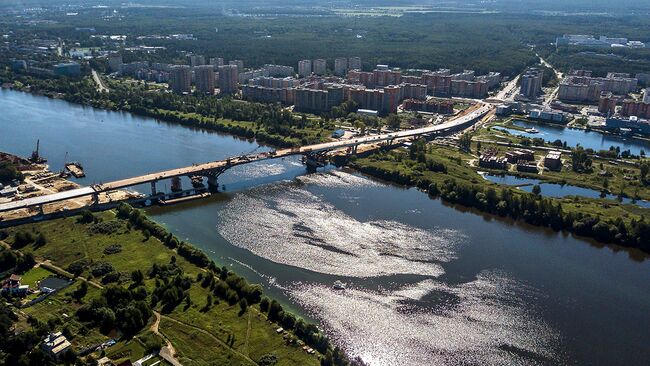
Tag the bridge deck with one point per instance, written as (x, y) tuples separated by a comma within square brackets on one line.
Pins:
[(199, 169)]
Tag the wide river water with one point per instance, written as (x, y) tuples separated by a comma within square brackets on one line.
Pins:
[(427, 283)]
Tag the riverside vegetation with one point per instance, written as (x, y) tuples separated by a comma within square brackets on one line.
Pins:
[(267, 123), (445, 173), (126, 267)]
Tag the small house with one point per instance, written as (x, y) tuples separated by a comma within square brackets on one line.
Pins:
[(55, 344), (13, 285)]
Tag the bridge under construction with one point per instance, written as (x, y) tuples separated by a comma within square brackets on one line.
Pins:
[(211, 170)]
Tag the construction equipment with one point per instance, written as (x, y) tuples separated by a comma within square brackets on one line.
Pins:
[(36, 158)]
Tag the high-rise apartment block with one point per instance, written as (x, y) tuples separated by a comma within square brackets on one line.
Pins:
[(635, 108), (319, 66), (216, 61), (197, 60), (228, 79), (180, 79), (238, 63), (469, 89), (304, 68), (607, 103), (385, 77), (531, 83), (340, 66), (354, 63), (204, 78), (580, 86)]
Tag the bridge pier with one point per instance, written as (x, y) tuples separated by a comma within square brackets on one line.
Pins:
[(213, 183), (95, 199), (313, 162), (153, 188), (41, 211)]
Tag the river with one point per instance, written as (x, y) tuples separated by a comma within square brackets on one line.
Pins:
[(427, 283)]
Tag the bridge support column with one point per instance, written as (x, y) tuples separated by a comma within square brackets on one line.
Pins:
[(311, 165), (95, 199), (41, 211), (153, 188), (213, 183), (354, 149)]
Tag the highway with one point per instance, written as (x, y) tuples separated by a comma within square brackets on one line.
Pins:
[(207, 168)]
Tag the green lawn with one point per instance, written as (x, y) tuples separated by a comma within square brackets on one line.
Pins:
[(197, 348), (34, 275)]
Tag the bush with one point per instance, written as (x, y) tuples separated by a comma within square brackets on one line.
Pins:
[(112, 249), (101, 268), (86, 217), (105, 228), (77, 267), (111, 277), (268, 360), (22, 238)]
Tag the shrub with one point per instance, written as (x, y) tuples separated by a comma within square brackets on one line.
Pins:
[(112, 249), (101, 268), (105, 228)]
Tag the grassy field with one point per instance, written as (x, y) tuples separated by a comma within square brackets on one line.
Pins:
[(199, 336)]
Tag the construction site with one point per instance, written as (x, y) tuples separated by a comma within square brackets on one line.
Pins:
[(37, 181)]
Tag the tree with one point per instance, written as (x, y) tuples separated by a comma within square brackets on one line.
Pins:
[(393, 121), (86, 217), (580, 160), (264, 304), (81, 291), (243, 305), (40, 240), (537, 190), (137, 277), (465, 142)]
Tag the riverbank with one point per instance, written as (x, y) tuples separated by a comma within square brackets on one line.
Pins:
[(268, 124), (445, 173), (216, 316)]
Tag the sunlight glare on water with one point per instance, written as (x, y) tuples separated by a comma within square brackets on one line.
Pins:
[(289, 225), (482, 326)]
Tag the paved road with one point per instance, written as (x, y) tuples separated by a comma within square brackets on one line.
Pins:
[(205, 169), (100, 83), (549, 97), (506, 94)]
